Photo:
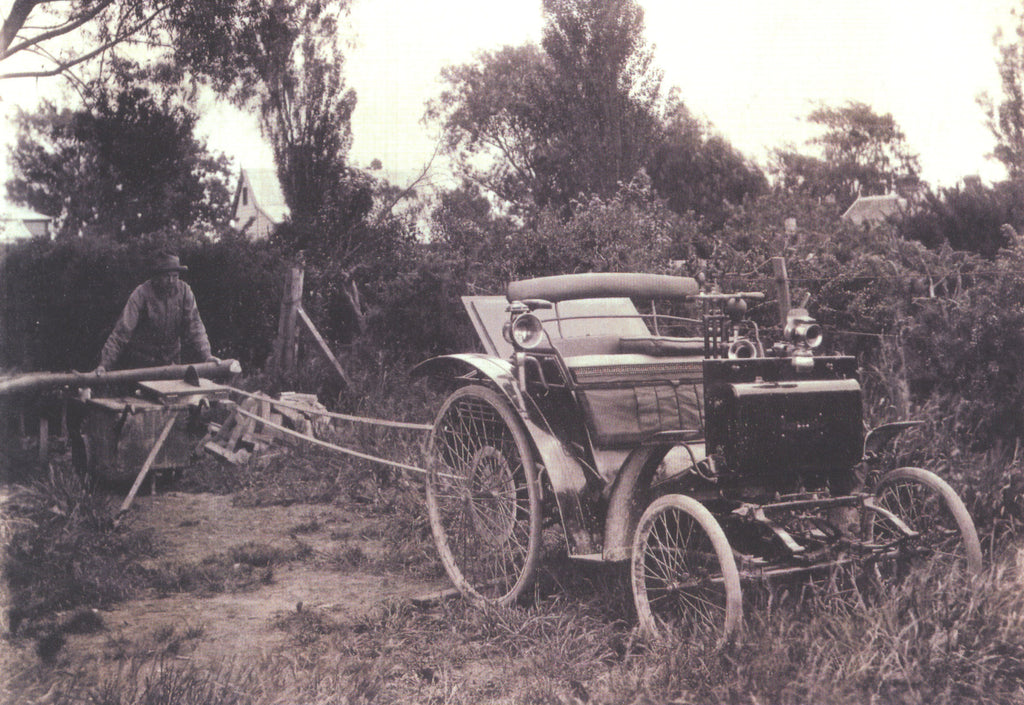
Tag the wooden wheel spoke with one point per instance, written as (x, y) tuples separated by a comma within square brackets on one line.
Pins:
[(487, 526)]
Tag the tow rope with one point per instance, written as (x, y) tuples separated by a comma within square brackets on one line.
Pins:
[(333, 415), (344, 417)]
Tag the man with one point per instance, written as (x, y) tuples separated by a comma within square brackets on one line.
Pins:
[(159, 319)]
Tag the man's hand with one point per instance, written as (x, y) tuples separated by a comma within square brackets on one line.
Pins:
[(214, 359), (100, 369)]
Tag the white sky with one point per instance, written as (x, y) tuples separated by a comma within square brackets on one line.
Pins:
[(754, 68)]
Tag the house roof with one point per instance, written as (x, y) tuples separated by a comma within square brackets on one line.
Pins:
[(14, 220), (265, 190), (12, 229), (875, 209), (18, 213)]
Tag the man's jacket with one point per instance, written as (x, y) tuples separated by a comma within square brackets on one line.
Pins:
[(152, 330)]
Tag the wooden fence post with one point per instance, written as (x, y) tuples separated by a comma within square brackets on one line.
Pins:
[(781, 287), (287, 340)]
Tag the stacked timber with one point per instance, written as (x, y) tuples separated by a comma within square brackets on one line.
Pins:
[(243, 435)]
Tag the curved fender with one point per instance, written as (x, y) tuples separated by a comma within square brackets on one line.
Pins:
[(565, 473), (629, 499), (495, 369), (881, 436)]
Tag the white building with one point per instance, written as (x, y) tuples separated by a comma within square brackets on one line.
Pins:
[(870, 211), (259, 205), (17, 223)]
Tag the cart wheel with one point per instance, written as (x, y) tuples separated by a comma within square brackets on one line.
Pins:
[(683, 572), (927, 504), (483, 497)]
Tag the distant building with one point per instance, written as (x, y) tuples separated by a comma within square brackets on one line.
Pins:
[(259, 205), (869, 211), (18, 223)]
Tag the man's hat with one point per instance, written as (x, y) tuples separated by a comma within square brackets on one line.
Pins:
[(166, 262)]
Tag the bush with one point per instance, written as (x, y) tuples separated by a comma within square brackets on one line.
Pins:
[(60, 300)]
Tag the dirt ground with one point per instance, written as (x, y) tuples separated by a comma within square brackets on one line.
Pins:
[(189, 528)]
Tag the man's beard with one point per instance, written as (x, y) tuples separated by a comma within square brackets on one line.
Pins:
[(163, 289)]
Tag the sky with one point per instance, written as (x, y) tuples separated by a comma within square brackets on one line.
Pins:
[(753, 68)]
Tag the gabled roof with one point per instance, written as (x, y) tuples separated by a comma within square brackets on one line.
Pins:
[(875, 209), (265, 191)]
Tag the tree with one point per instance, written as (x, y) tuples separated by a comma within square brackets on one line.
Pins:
[(608, 93), (971, 216), (65, 35), (42, 38), (1005, 120), (544, 125), (127, 166), (282, 59), (697, 170), (862, 153), (306, 113), (581, 115)]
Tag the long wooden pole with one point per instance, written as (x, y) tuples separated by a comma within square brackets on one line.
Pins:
[(34, 381)]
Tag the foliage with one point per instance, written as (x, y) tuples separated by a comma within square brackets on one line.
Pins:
[(419, 313), (970, 216), (699, 171), (61, 299), (862, 153), (631, 231), (966, 350), (237, 283), (76, 38), (543, 126), (1005, 119), (128, 165)]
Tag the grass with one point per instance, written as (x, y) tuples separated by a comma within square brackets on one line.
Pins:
[(934, 639), (63, 549)]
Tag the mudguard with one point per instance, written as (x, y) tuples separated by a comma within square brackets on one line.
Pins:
[(575, 497), (495, 370), (627, 500), (880, 437)]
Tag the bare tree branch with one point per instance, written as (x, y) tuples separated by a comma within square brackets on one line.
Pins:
[(408, 189), (14, 21), (69, 26), (64, 66)]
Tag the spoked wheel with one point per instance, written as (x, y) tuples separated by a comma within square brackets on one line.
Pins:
[(928, 505), (683, 572), (483, 497)]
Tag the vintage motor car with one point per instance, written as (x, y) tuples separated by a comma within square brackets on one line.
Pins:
[(693, 447)]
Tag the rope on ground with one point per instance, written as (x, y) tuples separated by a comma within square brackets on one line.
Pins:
[(334, 415), (340, 449)]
